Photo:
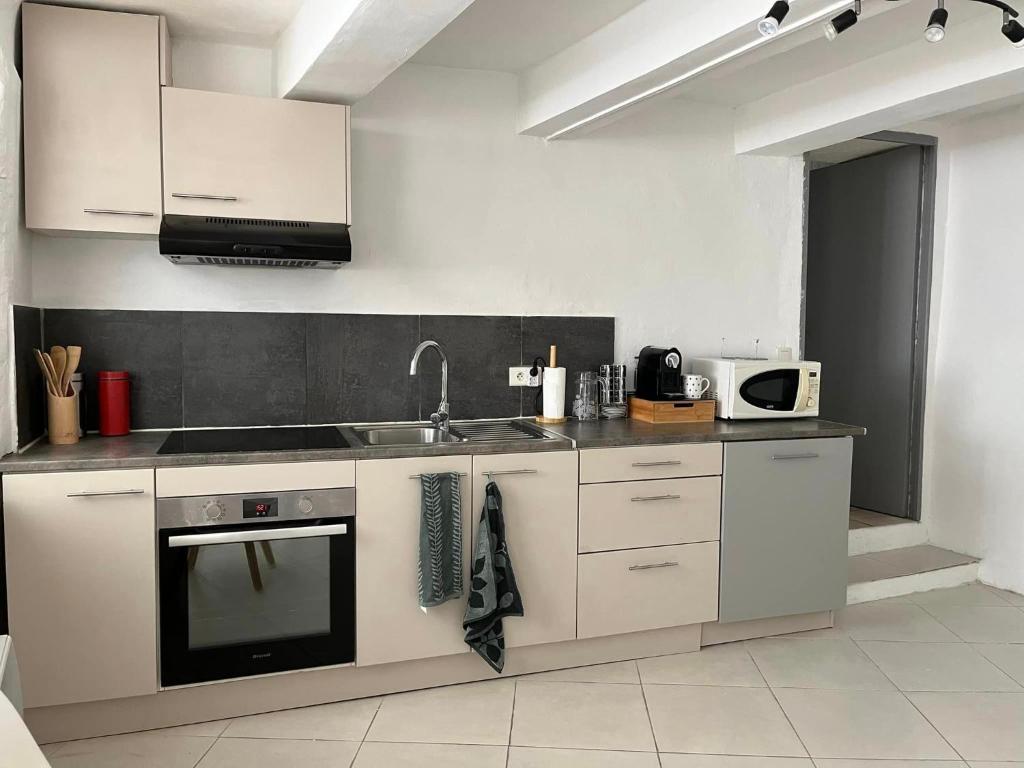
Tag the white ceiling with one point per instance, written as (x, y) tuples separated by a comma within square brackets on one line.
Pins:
[(246, 22), (513, 35)]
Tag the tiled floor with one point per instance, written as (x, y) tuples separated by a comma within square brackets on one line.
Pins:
[(906, 561), (934, 680), (864, 518)]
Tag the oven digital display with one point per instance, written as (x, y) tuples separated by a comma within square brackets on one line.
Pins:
[(266, 507)]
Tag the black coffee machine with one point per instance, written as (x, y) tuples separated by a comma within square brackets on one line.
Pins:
[(659, 374)]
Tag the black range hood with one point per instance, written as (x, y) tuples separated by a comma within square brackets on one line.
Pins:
[(222, 241)]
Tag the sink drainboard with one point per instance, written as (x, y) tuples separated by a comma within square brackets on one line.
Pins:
[(484, 431)]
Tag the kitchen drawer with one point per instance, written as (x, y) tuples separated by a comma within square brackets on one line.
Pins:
[(650, 462), (224, 479), (640, 589), (649, 513)]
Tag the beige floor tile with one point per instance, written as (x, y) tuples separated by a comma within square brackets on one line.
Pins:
[(857, 525), (728, 664), (51, 749), (921, 559), (213, 728), (133, 750), (892, 620), (831, 664), (618, 672), (343, 721), (279, 753), (838, 763), (982, 624), (396, 755), (540, 757), (874, 518), (937, 667), (862, 568), (722, 721), (862, 724), (669, 760), (1009, 658), (1013, 598), (574, 716), (996, 764), (968, 594), (980, 726), (475, 713)]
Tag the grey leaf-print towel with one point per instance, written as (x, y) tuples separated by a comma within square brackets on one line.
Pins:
[(493, 593), (440, 573)]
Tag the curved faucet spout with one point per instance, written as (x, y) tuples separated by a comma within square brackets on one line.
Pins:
[(440, 417)]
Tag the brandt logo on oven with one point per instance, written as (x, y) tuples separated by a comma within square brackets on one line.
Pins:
[(261, 655)]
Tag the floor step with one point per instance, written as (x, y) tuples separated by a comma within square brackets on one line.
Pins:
[(906, 570), (872, 532)]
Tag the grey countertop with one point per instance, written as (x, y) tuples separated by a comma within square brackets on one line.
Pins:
[(139, 449)]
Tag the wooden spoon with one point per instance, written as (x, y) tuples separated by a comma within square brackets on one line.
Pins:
[(59, 356), (46, 372), (54, 382), (74, 358)]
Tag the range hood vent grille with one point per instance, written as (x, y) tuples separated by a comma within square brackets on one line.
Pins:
[(229, 261), (224, 221)]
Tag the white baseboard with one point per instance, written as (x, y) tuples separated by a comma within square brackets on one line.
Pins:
[(880, 538), (867, 591)]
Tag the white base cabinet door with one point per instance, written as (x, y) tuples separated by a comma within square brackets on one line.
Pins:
[(81, 584), (92, 120), (539, 505), (390, 625)]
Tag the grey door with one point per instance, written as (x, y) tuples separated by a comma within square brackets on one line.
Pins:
[(863, 258)]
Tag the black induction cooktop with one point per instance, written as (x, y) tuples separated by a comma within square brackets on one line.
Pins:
[(253, 440)]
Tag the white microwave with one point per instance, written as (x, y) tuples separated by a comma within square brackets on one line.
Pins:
[(761, 389)]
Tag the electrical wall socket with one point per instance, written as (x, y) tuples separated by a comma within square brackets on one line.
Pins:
[(519, 376)]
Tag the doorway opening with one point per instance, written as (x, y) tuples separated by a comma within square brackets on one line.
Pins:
[(870, 207)]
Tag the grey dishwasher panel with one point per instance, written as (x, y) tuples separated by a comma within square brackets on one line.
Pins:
[(785, 527)]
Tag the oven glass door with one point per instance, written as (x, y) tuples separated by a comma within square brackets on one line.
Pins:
[(774, 390), (239, 600)]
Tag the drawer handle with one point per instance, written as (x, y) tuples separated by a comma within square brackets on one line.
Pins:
[(666, 497), (790, 456), (114, 212), (652, 566), (497, 472), (186, 196), (656, 463), (90, 494)]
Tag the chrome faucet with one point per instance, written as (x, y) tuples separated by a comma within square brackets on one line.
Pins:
[(440, 418)]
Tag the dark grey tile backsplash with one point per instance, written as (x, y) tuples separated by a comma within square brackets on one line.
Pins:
[(212, 369)]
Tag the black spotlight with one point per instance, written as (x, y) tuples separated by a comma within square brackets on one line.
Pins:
[(1013, 30), (840, 24), (769, 25), (935, 32)]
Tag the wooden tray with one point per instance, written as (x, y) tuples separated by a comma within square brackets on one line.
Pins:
[(671, 411)]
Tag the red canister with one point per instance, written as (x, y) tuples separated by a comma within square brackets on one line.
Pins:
[(114, 395)]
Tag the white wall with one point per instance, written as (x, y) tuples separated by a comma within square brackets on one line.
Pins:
[(974, 483), (653, 220), (14, 263), (208, 66)]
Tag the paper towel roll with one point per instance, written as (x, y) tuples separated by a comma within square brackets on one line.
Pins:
[(554, 393)]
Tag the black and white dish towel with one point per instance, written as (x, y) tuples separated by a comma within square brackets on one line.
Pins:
[(440, 572)]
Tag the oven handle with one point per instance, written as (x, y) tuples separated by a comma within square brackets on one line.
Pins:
[(265, 534)]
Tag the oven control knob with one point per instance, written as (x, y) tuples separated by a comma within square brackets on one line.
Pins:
[(213, 510), (305, 506)]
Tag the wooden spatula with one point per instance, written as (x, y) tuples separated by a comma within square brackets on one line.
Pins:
[(59, 356), (47, 372), (74, 358)]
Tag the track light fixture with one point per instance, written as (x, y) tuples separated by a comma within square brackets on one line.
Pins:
[(1013, 30), (843, 21), (935, 32), (769, 25)]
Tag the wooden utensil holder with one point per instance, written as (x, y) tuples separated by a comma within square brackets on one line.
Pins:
[(62, 419)]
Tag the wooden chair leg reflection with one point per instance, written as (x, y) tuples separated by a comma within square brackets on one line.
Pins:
[(254, 566), (193, 555), (268, 553)]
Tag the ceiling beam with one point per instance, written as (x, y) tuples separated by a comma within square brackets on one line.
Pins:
[(340, 50)]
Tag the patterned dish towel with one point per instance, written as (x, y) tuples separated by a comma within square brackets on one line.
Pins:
[(493, 593), (440, 574)]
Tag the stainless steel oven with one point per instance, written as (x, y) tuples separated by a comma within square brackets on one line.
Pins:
[(255, 583)]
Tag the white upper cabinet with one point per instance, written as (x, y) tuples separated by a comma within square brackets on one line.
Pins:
[(258, 158), (91, 120)]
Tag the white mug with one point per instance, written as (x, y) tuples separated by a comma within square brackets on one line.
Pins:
[(695, 385)]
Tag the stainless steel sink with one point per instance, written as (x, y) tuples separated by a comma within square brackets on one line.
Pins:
[(403, 435)]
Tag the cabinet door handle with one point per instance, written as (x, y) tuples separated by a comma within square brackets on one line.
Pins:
[(789, 456), (497, 472), (90, 494), (652, 566), (115, 212), (665, 497), (656, 463), (187, 196)]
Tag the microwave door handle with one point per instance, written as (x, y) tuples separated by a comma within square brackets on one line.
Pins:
[(265, 534)]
